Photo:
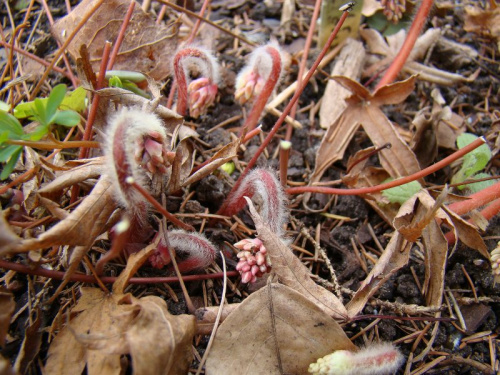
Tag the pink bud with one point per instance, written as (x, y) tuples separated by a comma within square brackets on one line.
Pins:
[(246, 277)]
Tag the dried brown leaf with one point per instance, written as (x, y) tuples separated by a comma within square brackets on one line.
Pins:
[(83, 225), (7, 306), (30, 346), (8, 239), (147, 47), (394, 257), (292, 272), (276, 330), (483, 21), (110, 325)]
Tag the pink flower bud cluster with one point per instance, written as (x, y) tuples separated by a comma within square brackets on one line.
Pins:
[(201, 95), (151, 152), (393, 9), (248, 86), (254, 260)]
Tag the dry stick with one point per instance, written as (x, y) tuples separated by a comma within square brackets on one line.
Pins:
[(34, 58), (59, 275), (401, 181), (286, 111), (61, 50), (119, 38), (64, 57), (413, 34), (158, 206), (303, 62), (10, 62), (41, 145), (197, 24)]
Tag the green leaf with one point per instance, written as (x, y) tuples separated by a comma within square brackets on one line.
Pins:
[(10, 124), (474, 161), (478, 186), (7, 151), (4, 106), (125, 75), (66, 118), (115, 81), (39, 132), (9, 167), (24, 110), (40, 112), (4, 136), (75, 100), (401, 194), (55, 99)]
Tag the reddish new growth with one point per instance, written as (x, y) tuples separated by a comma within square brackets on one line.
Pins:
[(257, 80), (194, 249), (135, 143), (265, 190), (200, 93)]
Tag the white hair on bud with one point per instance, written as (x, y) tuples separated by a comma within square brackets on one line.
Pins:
[(199, 250), (261, 62), (375, 359), (137, 124), (206, 67)]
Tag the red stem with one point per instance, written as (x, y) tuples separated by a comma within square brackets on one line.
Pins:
[(303, 62), (477, 200), (266, 92), (120, 37), (413, 34), (58, 275), (281, 119), (401, 181)]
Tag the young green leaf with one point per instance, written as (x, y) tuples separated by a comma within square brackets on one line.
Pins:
[(40, 112), (7, 151), (75, 100), (4, 106), (66, 118), (55, 99), (10, 124), (478, 186), (474, 161), (9, 167), (401, 194)]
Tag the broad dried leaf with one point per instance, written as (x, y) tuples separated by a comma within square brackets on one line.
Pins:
[(394, 257), (483, 21), (363, 109), (292, 272), (8, 239), (83, 225), (7, 306), (147, 47), (222, 156), (349, 64), (276, 330), (30, 346), (110, 325)]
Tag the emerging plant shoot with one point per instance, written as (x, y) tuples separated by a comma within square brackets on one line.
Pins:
[(197, 94)]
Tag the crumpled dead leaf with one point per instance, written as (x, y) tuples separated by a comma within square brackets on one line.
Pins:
[(483, 21), (109, 325), (276, 330), (147, 47), (364, 110), (82, 226), (292, 272)]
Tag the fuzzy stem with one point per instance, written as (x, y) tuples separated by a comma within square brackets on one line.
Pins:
[(401, 181), (413, 34), (281, 119), (121, 36), (75, 277), (267, 90), (180, 76), (130, 181)]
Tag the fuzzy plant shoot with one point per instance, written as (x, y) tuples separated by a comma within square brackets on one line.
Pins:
[(257, 80), (196, 94), (135, 143), (377, 359), (194, 249), (262, 186)]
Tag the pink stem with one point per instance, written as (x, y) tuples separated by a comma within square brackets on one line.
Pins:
[(413, 34), (266, 92), (400, 181), (281, 119), (476, 200)]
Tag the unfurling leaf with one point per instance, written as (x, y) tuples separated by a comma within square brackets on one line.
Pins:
[(474, 161), (402, 193)]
